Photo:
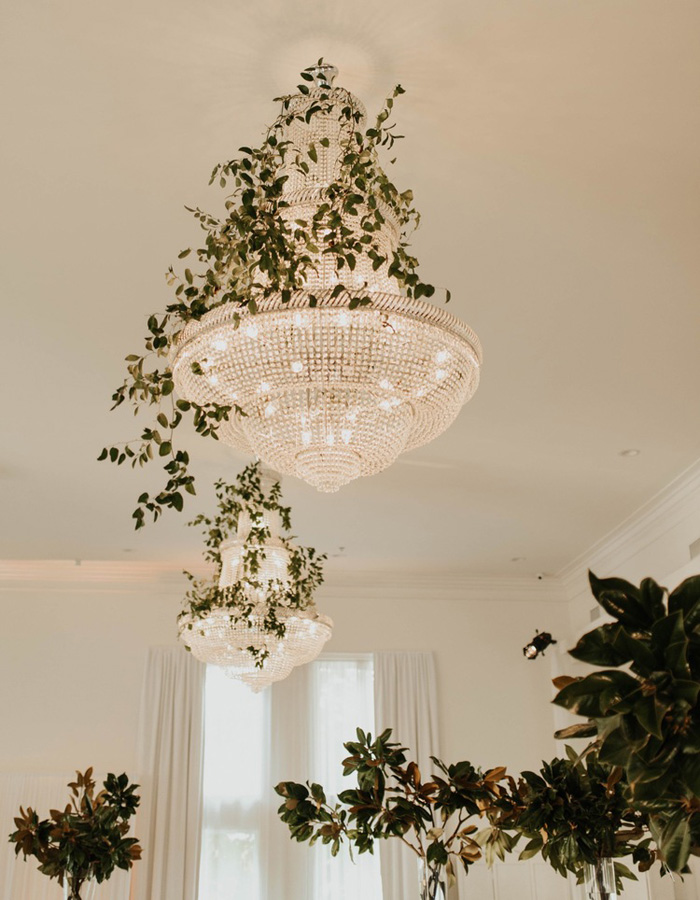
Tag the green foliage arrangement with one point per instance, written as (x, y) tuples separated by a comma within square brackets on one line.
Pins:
[(253, 252), (87, 839), (392, 801), (249, 495), (575, 811), (643, 706)]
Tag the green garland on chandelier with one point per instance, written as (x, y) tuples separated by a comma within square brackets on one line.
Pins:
[(305, 566), (252, 253)]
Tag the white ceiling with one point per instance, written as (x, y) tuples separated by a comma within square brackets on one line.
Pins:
[(553, 150)]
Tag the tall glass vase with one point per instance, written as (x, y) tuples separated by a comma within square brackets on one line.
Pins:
[(599, 880), (432, 882), (79, 888)]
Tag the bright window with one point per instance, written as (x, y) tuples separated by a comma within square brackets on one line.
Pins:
[(242, 837)]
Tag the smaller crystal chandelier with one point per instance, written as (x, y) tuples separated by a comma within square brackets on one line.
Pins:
[(257, 620)]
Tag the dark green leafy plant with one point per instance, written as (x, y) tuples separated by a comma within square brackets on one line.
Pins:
[(254, 252), (575, 811), (86, 840), (643, 706), (392, 801), (249, 496)]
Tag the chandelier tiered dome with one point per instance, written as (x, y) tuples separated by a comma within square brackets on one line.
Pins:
[(262, 625), (330, 390)]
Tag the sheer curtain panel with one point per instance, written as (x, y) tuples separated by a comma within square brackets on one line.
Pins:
[(405, 700), (293, 731), (170, 768)]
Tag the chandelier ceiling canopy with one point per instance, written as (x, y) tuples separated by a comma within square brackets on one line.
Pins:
[(336, 378)]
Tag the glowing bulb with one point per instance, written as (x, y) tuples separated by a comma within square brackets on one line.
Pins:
[(252, 331), (297, 367), (330, 439), (264, 387), (220, 344), (385, 405), (213, 379), (306, 438), (346, 435), (386, 384), (343, 318), (442, 356), (440, 375)]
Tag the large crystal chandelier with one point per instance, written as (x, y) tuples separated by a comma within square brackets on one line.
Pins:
[(323, 388), (259, 621)]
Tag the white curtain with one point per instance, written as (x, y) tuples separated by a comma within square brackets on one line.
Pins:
[(405, 700), (170, 769), (20, 880), (293, 731)]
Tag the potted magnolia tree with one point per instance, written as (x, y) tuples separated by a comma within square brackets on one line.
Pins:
[(434, 818), (84, 843), (642, 706)]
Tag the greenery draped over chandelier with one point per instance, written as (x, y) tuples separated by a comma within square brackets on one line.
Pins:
[(256, 616), (301, 333)]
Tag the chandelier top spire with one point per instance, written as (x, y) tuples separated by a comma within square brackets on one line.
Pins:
[(324, 74)]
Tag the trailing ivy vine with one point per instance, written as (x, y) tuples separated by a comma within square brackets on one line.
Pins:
[(253, 252)]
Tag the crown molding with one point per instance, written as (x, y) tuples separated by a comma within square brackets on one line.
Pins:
[(98, 576), (665, 510), (344, 579), (397, 581), (388, 579)]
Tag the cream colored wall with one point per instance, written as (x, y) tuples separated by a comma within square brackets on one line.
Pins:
[(494, 704), (70, 676), (654, 542), (71, 664)]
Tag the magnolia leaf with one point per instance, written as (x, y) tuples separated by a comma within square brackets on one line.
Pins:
[(598, 693), (686, 597), (580, 729), (675, 843), (621, 600), (690, 772), (670, 644), (597, 647), (652, 596), (650, 712)]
